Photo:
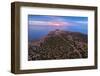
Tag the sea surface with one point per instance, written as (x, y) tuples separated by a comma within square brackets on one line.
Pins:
[(36, 32)]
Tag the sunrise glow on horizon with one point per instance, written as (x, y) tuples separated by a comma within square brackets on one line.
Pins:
[(39, 20), (56, 23)]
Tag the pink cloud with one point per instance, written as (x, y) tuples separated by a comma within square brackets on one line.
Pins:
[(51, 23)]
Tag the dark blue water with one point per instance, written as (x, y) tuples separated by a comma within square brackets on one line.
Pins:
[(36, 32)]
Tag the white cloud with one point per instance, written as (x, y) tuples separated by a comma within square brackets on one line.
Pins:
[(38, 23), (55, 23), (82, 22)]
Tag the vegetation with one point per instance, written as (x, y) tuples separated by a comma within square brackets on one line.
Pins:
[(59, 44)]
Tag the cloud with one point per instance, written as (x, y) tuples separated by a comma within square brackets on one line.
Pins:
[(38, 23), (82, 22), (50, 23), (56, 21)]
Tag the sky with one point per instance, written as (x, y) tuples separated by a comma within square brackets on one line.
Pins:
[(44, 20), (41, 25)]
